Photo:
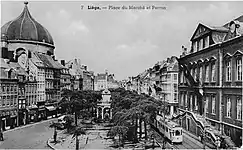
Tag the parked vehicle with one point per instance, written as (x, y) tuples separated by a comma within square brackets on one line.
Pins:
[(61, 119)]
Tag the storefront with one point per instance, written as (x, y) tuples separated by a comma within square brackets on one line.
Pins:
[(32, 112), (51, 111), (3, 120), (22, 117), (8, 119), (41, 111)]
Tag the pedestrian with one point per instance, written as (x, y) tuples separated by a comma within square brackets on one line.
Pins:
[(1, 135), (87, 139)]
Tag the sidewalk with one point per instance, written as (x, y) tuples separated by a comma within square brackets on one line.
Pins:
[(94, 139), (196, 139)]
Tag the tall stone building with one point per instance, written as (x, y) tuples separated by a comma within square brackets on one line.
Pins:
[(65, 81), (213, 65), (76, 72), (8, 96), (169, 85), (32, 46), (105, 81)]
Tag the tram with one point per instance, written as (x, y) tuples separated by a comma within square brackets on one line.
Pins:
[(170, 129)]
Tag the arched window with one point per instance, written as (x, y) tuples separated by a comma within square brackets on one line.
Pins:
[(213, 77), (228, 70), (228, 110), (239, 68), (239, 108)]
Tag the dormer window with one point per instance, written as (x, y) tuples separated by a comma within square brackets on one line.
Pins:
[(206, 42), (201, 44), (194, 46)]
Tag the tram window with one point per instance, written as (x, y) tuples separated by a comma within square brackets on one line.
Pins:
[(177, 132)]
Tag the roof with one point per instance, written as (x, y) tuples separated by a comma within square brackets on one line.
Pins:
[(240, 19), (49, 62), (106, 92), (25, 27), (209, 28), (101, 76), (19, 70)]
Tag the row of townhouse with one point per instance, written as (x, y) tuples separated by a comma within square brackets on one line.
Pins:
[(160, 82), (105, 81), (202, 89), (31, 78)]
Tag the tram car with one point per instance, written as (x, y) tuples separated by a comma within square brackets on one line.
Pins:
[(169, 129)]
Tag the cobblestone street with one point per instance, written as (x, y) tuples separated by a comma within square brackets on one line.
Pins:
[(97, 139), (32, 136)]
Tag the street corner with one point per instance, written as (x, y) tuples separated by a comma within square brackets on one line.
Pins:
[(50, 143)]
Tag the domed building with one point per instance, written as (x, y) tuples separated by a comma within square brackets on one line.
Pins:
[(24, 31), (27, 43)]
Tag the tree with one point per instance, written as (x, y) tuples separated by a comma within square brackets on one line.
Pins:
[(121, 131), (56, 126), (73, 102), (68, 122), (77, 132)]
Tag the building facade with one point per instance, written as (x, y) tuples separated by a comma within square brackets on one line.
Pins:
[(65, 81), (169, 85), (8, 95), (215, 64), (29, 44)]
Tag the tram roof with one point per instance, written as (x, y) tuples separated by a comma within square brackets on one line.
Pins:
[(166, 121)]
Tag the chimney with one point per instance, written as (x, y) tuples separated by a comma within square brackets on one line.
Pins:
[(63, 62), (4, 53), (85, 68), (11, 56)]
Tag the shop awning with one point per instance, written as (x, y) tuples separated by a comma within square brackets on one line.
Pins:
[(50, 108), (31, 107)]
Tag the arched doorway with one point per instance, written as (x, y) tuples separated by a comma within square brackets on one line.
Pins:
[(106, 113)]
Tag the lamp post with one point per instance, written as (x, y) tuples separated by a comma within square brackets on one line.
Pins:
[(204, 113)]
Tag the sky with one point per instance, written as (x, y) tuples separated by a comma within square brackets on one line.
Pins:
[(125, 42)]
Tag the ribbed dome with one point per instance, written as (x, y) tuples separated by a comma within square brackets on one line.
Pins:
[(26, 28)]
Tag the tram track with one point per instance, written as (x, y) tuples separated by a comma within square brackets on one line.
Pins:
[(187, 143)]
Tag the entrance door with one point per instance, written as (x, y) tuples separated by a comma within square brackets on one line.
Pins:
[(188, 124), (3, 125)]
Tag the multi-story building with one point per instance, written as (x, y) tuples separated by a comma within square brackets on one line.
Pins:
[(65, 81), (100, 81), (214, 64), (88, 80), (104, 80), (27, 93), (8, 96), (169, 85), (32, 46), (76, 72)]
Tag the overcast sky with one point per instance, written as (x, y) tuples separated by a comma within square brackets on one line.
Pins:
[(124, 42)]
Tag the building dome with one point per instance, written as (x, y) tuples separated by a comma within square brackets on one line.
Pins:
[(26, 28)]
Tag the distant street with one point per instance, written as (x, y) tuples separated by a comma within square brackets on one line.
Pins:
[(30, 137)]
